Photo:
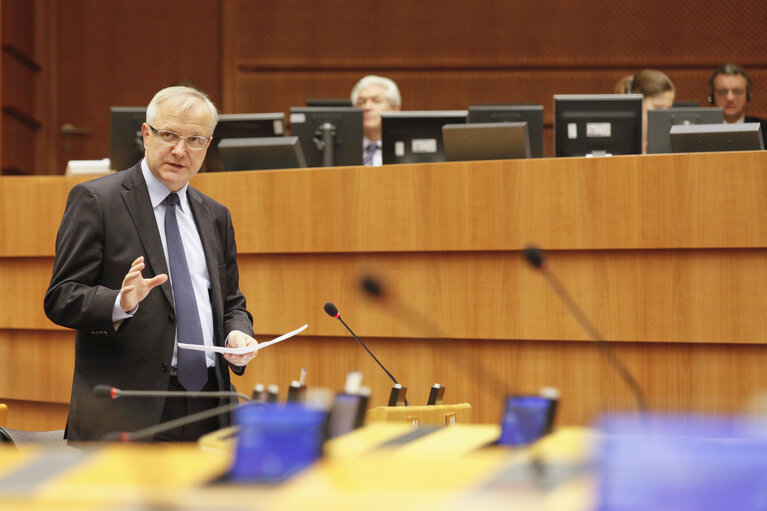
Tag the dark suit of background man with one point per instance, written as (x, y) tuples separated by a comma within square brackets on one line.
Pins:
[(111, 279), (732, 89)]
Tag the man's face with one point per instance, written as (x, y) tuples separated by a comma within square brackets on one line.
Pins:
[(373, 101), (730, 94), (175, 165)]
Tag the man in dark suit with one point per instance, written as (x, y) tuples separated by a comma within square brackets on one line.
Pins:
[(374, 94), (732, 89), (144, 261)]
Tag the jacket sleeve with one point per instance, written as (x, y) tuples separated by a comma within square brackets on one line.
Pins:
[(236, 315), (74, 298)]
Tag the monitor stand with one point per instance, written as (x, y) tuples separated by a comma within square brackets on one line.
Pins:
[(598, 154), (323, 138)]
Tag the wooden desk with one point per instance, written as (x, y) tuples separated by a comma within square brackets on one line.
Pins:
[(666, 253)]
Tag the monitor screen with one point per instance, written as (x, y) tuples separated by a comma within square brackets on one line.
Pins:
[(329, 102), (531, 114), (486, 141), (233, 126), (597, 124), (745, 136), (262, 153), (680, 104), (659, 124), (126, 145), (416, 136), (328, 135)]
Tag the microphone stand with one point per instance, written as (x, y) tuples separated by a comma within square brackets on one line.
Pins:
[(150, 431), (536, 258)]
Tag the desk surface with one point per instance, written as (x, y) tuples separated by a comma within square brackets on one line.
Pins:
[(450, 468)]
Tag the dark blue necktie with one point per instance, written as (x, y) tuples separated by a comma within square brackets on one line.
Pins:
[(370, 152), (192, 370)]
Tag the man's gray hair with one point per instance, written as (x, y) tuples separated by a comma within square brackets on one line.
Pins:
[(392, 91), (180, 99)]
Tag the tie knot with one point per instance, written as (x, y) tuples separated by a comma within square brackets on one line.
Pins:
[(172, 199)]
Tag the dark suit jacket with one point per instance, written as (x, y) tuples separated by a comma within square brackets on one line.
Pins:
[(109, 222)]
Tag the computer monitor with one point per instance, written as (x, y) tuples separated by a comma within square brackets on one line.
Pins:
[(262, 153), (659, 124), (681, 104), (486, 141), (234, 126), (329, 135), (531, 114), (746, 136), (126, 144), (597, 124), (329, 102), (416, 136)]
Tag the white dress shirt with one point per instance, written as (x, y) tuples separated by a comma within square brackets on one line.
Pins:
[(195, 258)]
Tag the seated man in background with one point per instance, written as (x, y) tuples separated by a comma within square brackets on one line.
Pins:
[(374, 94), (732, 89), (656, 88)]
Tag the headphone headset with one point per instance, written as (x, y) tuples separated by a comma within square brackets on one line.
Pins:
[(629, 84), (729, 69)]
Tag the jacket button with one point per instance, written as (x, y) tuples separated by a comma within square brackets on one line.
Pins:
[(171, 317), (164, 367)]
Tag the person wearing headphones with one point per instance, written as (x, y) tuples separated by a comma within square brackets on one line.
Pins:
[(657, 90), (731, 88)]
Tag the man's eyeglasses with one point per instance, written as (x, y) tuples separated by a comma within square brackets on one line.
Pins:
[(724, 92), (172, 138)]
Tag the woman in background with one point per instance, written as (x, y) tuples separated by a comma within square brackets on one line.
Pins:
[(657, 89)]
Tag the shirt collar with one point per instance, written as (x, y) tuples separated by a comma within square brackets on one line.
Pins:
[(366, 142), (158, 191)]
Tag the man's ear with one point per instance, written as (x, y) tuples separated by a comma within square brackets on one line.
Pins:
[(145, 132)]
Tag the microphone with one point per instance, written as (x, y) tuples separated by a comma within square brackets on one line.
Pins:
[(415, 319), (125, 436), (420, 322), (107, 392), (537, 259), (332, 311)]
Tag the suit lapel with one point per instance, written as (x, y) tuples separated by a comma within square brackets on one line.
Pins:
[(206, 229), (136, 197)]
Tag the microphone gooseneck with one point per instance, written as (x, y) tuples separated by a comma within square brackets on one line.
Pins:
[(332, 311), (151, 431), (536, 257), (107, 392)]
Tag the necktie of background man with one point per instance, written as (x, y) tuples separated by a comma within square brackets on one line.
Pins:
[(192, 369), (370, 152)]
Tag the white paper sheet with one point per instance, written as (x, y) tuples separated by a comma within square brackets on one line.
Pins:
[(243, 350)]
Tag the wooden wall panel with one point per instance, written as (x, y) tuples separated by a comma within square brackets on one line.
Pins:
[(569, 33), (36, 416), (25, 280), (453, 54), (705, 296), (688, 378), (665, 253), (661, 201), (125, 52), (37, 365)]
